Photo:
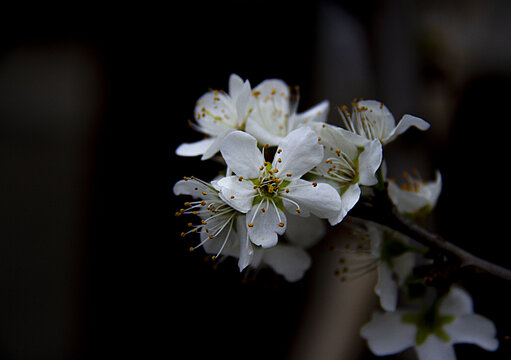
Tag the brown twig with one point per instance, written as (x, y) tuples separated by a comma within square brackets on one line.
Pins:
[(383, 212)]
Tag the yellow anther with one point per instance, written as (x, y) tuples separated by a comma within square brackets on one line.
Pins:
[(279, 160), (190, 224), (338, 152), (319, 138), (263, 210), (232, 196), (183, 234), (281, 224), (273, 92), (250, 224), (203, 222), (279, 151), (191, 248), (289, 175), (314, 184), (256, 93), (298, 211), (204, 193), (210, 236), (240, 178)]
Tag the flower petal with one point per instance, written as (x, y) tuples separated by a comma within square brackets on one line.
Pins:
[(196, 148), (321, 199), (473, 329), (406, 122), (305, 231), (241, 154), (386, 334), (246, 248), (379, 115), (298, 152), (456, 302), (369, 162), (288, 261), (316, 114), (254, 128), (236, 193), (265, 226), (348, 199), (435, 349), (191, 187), (386, 288)]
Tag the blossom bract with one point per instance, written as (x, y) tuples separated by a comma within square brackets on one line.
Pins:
[(217, 114), (432, 330), (373, 120), (263, 190), (349, 161), (275, 114)]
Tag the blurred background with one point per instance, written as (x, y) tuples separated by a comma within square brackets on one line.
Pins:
[(93, 102)]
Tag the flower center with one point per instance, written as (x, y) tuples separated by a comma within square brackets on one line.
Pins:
[(428, 322), (268, 185)]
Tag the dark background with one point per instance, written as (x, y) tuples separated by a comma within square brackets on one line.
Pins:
[(94, 100)]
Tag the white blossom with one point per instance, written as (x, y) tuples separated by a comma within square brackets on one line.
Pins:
[(349, 161), (263, 190), (217, 114), (433, 330), (416, 195), (373, 120), (275, 114)]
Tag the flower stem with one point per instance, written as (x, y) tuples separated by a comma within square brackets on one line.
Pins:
[(383, 212)]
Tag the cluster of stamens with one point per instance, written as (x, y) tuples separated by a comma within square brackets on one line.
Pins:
[(215, 214), (359, 121), (413, 183)]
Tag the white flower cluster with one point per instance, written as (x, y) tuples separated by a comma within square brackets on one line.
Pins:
[(287, 172)]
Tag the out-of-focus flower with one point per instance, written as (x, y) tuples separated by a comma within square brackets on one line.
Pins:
[(415, 196), (216, 115), (433, 330)]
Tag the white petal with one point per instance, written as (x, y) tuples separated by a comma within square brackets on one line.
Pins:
[(196, 148), (348, 199), (241, 154), (456, 302), (300, 153), (317, 114), (369, 162), (406, 122), (380, 115), (405, 201), (473, 329), (288, 261), (246, 248), (235, 85), (191, 187), (264, 226), (386, 334), (254, 128), (305, 231), (435, 349), (236, 193), (386, 288), (321, 200)]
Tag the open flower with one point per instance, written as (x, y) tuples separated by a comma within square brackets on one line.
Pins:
[(373, 120), (433, 330), (274, 115), (349, 161), (415, 196), (222, 228), (263, 190), (217, 114)]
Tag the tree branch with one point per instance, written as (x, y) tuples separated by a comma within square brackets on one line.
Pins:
[(383, 212)]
